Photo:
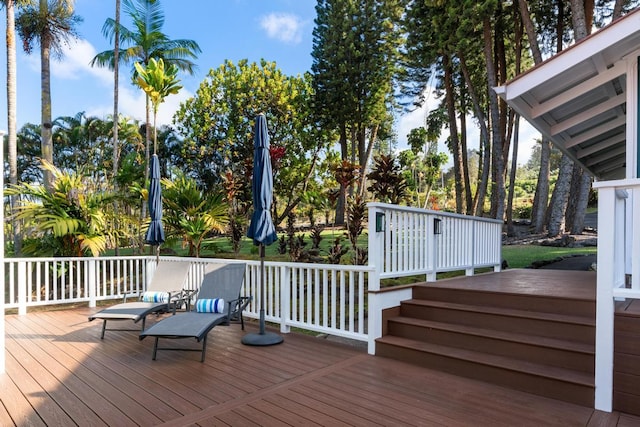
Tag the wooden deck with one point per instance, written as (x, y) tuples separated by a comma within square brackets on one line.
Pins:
[(60, 373)]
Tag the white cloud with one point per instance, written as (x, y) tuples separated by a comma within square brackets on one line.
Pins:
[(75, 63), (282, 26)]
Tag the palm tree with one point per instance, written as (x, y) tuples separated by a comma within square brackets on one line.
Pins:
[(49, 25), (116, 77), (192, 214), (146, 41), (12, 138)]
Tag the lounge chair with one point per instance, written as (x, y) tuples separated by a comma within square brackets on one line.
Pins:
[(218, 303), (163, 294)]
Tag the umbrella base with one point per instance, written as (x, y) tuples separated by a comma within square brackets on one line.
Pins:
[(267, 338)]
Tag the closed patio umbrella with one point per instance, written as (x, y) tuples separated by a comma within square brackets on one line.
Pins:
[(261, 228), (155, 233)]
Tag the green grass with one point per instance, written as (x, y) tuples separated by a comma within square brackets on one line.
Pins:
[(521, 256)]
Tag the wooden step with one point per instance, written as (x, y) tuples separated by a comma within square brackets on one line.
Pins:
[(543, 350), (565, 384), (576, 328), (571, 306)]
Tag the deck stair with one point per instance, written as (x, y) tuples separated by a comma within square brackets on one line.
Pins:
[(535, 343)]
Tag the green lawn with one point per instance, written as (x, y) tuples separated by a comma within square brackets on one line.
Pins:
[(520, 256), (517, 256)]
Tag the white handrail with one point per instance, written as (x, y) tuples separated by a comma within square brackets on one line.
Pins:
[(618, 259), (406, 241), (322, 298)]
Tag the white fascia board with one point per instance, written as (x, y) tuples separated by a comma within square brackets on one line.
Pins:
[(582, 51)]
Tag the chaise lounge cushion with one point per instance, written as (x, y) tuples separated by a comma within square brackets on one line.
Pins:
[(210, 305)]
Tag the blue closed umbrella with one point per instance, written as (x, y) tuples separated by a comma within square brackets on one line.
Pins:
[(155, 233), (261, 228)]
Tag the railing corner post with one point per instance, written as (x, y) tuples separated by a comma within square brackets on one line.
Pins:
[(285, 299), (92, 282), (22, 288), (377, 225)]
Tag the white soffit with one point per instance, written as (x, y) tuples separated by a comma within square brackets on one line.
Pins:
[(577, 98)]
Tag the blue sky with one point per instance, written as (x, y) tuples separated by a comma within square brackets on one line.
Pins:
[(276, 30)]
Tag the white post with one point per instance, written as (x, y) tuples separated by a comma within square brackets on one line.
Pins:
[(285, 299), (2, 269), (22, 288), (377, 226), (374, 327), (632, 220), (604, 300), (432, 244), (92, 283)]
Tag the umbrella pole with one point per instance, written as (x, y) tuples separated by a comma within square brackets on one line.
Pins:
[(263, 338), (262, 289)]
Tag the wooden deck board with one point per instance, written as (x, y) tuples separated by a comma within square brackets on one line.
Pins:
[(60, 372), (556, 283)]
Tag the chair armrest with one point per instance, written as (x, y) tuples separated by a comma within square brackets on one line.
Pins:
[(124, 299), (185, 296), (243, 302), (239, 305)]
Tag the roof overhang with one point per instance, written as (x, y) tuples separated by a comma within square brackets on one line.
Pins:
[(578, 98)]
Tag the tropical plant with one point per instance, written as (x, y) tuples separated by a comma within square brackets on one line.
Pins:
[(157, 82), (190, 213), (68, 220), (356, 218), (387, 183), (50, 25)]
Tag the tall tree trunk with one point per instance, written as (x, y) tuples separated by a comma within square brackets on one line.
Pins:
[(147, 138), (577, 226), (485, 166), (579, 19), (530, 29), (12, 131), (541, 197), (465, 159), (341, 202), (453, 134), (116, 72), (116, 121), (617, 9), (559, 198), (366, 160), (512, 177), (555, 216), (572, 200), (514, 126), (581, 181), (45, 100), (498, 199)]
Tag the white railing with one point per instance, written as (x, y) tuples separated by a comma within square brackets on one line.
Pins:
[(406, 241), (340, 300), (618, 259), (322, 298)]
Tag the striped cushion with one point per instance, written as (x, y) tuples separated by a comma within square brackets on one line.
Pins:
[(215, 305), (155, 296)]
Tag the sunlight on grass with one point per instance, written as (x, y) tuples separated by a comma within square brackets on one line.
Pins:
[(522, 256)]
